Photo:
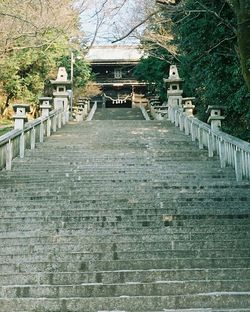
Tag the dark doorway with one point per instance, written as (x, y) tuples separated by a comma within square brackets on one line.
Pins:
[(111, 104)]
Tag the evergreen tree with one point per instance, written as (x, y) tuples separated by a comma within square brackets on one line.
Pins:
[(209, 62)]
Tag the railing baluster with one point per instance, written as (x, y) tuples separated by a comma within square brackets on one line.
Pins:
[(200, 138), (8, 155), (238, 165), (54, 123), (210, 145), (222, 154), (192, 131), (41, 132), (59, 120), (33, 138), (22, 145), (48, 127)]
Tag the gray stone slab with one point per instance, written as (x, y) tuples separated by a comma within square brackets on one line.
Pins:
[(128, 212)]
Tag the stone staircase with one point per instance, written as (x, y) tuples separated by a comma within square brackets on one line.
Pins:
[(124, 216), (140, 100)]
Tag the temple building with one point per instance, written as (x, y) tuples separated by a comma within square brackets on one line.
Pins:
[(113, 67)]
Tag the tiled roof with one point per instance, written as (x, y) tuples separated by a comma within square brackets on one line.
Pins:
[(116, 53)]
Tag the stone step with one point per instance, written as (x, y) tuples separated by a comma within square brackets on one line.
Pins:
[(123, 216), (88, 184), (186, 219), (189, 213), (135, 213), (222, 300), (120, 113), (132, 206), (53, 266), (231, 275), (125, 247), (129, 289), (132, 201), (163, 230), (120, 255), (82, 179), (53, 238), (51, 223), (71, 179), (141, 190), (91, 167)]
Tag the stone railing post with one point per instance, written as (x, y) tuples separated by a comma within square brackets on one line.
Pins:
[(174, 92), (60, 93), (20, 115), (231, 150), (215, 117), (45, 105), (81, 110), (8, 152), (188, 106), (20, 118), (45, 108)]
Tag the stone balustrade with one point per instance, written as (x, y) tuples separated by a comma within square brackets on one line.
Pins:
[(15, 142), (231, 150), (26, 135), (92, 112), (81, 109), (144, 113)]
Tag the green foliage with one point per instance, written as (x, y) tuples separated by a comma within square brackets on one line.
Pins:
[(23, 72), (5, 130), (153, 68), (82, 70), (210, 65), (34, 36), (208, 60)]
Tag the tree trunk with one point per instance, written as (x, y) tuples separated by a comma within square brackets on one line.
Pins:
[(242, 10)]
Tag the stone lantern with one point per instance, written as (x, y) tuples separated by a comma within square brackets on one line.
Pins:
[(60, 93), (45, 105), (188, 106), (20, 115), (215, 117), (174, 91)]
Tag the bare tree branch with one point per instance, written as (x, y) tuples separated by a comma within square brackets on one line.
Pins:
[(136, 26)]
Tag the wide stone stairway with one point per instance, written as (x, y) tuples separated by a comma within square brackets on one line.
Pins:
[(123, 215)]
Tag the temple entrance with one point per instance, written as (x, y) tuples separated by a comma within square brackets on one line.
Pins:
[(117, 96), (112, 104), (113, 67)]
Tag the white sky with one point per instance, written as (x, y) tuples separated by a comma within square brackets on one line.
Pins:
[(116, 18)]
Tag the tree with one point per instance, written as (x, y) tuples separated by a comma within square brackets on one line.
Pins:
[(241, 25), (242, 12), (35, 24), (201, 38), (35, 36), (24, 72), (209, 63), (151, 69), (241, 9), (82, 70)]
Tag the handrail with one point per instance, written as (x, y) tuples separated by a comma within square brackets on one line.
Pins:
[(144, 113), (12, 134), (92, 112), (232, 151), (14, 143)]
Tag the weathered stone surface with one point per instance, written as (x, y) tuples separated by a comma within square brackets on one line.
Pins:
[(123, 215)]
